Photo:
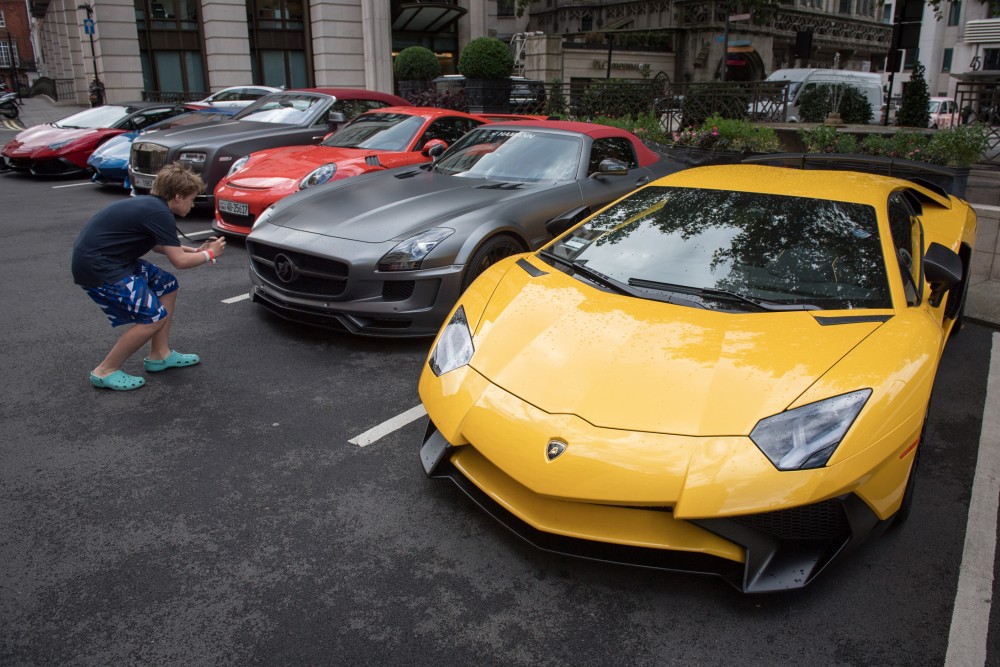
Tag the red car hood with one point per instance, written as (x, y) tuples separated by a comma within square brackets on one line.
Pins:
[(40, 136), (295, 162)]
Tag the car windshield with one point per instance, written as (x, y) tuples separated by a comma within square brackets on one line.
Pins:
[(103, 116), (519, 155), (285, 108), (724, 249), (377, 131)]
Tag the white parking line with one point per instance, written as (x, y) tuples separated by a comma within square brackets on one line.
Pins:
[(72, 185), (971, 615), (387, 427), (237, 299)]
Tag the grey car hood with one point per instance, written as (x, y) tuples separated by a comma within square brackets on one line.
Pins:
[(213, 134), (393, 205)]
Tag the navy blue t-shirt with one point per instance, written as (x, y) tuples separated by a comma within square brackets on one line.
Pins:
[(111, 243)]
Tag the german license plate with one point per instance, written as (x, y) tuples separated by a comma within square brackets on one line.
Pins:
[(144, 182), (236, 208)]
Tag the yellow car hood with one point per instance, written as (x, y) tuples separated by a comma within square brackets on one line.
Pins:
[(627, 363)]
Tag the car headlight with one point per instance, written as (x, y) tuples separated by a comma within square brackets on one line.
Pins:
[(806, 437), (193, 158), (237, 165), (454, 348), (318, 176), (263, 217), (58, 144), (408, 254)]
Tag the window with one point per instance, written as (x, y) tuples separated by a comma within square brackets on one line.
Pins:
[(887, 13), (908, 244), (3, 21), (845, 6), (448, 130), (505, 7), (5, 54), (991, 58), (616, 148), (946, 60), (954, 12), (911, 59)]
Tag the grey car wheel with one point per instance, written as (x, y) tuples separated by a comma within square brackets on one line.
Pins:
[(488, 254)]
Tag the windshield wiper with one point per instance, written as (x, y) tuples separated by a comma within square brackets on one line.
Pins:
[(762, 304)]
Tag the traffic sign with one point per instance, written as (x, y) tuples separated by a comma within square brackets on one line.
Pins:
[(88, 26)]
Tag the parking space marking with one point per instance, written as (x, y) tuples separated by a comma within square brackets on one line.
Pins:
[(388, 426), (72, 185), (237, 299), (967, 640)]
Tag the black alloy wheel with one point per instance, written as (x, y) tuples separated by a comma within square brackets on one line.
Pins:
[(488, 254)]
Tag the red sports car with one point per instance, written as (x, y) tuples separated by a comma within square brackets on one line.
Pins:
[(62, 148), (378, 139)]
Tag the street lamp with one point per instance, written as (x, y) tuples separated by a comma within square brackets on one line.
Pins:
[(96, 88)]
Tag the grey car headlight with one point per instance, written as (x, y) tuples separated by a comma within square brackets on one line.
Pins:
[(318, 176), (263, 217), (454, 348), (807, 437), (195, 160), (237, 165), (408, 254)]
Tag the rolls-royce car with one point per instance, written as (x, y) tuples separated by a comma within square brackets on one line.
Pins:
[(388, 253), (289, 118)]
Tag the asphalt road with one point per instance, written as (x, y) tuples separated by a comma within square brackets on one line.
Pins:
[(221, 515)]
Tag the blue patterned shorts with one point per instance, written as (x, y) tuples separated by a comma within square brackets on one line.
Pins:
[(134, 299)]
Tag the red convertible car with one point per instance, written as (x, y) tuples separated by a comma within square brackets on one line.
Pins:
[(62, 148), (376, 140)]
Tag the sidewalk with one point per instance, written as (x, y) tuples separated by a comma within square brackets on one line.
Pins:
[(983, 305)]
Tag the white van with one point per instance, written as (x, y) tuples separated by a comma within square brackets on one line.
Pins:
[(869, 83)]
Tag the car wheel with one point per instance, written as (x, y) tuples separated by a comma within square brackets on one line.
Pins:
[(488, 254), (906, 506)]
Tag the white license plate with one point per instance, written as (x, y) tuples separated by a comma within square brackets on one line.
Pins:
[(144, 182), (236, 208)]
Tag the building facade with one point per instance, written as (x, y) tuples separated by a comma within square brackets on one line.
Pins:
[(17, 56)]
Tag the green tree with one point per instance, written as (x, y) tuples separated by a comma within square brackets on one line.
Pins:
[(914, 110)]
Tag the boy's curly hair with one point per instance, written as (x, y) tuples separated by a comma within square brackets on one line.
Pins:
[(177, 179)]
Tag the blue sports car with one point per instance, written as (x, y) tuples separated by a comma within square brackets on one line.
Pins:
[(110, 160)]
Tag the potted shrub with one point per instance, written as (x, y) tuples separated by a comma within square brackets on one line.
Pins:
[(487, 63), (415, 68)]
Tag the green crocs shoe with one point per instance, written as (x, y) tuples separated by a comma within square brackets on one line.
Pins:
[(174, 360), (118, 381)]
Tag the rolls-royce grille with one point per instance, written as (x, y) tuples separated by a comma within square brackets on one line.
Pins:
[(297, 272), (148, 158), (821, 521)]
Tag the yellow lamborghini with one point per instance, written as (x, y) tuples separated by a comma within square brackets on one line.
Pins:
[(726, 371)]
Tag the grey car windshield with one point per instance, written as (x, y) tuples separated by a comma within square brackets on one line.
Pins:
[(285, 108), (522, 156), (377, 131), (710, 246)]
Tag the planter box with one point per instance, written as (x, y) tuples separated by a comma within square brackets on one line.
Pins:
[(697, 157), (488, 95), (952, 180)]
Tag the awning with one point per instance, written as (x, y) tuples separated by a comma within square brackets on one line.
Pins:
[(425, 16)]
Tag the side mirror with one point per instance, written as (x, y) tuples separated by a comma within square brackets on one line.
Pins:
[(434, 148), (943, 270), (611, 167), (336, 118), (559, 224)]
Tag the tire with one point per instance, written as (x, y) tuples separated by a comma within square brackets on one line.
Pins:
[(489, 253), (11, 111)]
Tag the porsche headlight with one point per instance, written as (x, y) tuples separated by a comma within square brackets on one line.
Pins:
[(806, 437), (454, 348), (237, 165), (408, 254), (318, 176), (263, 217)]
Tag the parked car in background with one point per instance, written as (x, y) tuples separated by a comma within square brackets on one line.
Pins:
[(288, 118), (803, 79), (527, 96), (388, 253), (62, 148), (374, 141), (236, 97), (110, 160), (943, 113), (725, 372)]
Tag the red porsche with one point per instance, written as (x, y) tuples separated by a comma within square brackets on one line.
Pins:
[(375, 140)]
